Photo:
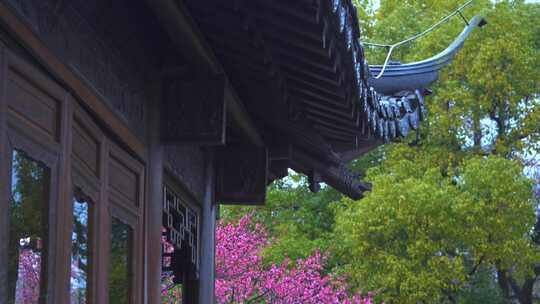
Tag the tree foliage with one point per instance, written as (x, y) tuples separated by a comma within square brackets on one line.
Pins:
[(422, 232)]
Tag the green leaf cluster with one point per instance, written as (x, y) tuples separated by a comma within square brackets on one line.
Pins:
[(421, 231)]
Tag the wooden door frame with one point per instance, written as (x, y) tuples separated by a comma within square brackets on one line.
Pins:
[(128, 213), (51, 160), (89, 183)]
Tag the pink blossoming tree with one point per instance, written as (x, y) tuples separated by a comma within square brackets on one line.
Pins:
[(170, 292), (29, 277), (242, 278)]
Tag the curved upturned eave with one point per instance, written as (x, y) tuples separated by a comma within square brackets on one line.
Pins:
[(422, 73)]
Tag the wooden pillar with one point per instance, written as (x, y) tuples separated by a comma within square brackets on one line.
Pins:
[(208, 227), (193, 297), (154, 203), (4, 178)]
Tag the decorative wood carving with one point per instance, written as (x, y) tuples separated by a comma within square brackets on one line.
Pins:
[(181, 224), (337, 175), (241, 174), (193, 111), (315, 181)]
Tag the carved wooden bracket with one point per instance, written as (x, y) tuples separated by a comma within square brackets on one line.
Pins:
[(193, 111), (337, 175), (241, 174), (315, 180)]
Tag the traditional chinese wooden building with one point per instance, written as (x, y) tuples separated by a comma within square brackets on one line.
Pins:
[(119, 119)]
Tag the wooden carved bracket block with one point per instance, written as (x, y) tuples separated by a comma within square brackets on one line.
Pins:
[(315, 181), (193, 111), (241, 174)]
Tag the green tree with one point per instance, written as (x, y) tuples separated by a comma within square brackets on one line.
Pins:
[(455, 204), (422, 233)]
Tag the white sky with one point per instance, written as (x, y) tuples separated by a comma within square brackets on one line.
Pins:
[(377, 2)]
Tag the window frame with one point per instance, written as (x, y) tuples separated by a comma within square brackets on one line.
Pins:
[(80, 194), (129, 213), (68, 174), (16, 133), (49, 159), (83, 180)]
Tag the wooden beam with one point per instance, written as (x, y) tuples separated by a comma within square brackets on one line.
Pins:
[(326, 82), (340, 103), (308, 68), (336, 136), (319, 117), (289, 55), (226, 34), (285, 37), (363, 148), (294, 9), (315, 84), (336, 175), (189, 40), (326, 127), (324, 109), (291, 24)]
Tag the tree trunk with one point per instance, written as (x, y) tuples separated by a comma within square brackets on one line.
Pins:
[(526, 293), (512, 292)]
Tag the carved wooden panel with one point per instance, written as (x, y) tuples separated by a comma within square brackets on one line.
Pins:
[(124, 180), (193, 111), (181, 222), (241, 174), (33, 104), (85, 148)]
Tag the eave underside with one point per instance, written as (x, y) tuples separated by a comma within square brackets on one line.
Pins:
[(299, 68)]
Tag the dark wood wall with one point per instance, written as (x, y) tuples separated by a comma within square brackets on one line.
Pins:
[(115, 53), (115, 46)]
